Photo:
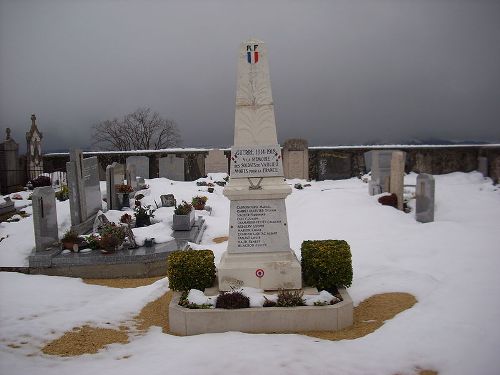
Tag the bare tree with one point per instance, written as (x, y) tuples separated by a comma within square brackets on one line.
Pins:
[(139, 130)]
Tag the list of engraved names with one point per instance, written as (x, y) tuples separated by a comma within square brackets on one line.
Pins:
[(257, 224)]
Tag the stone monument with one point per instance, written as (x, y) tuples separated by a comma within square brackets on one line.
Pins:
[(381, 171), (114, 176), (482, 165), (131, 176), (258, 253), (85, 194), (216, 162), (34, 159), (396, 185), (424, 195), (171, 167), (296, 159), (44, 217), (141, 165)]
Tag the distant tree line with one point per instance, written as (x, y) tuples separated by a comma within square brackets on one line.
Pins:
[(142, 129)]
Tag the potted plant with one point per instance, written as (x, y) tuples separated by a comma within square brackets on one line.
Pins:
[(143, 215), (123, 192), (198, 202), (111, 237), (183, 217), (70, 240)]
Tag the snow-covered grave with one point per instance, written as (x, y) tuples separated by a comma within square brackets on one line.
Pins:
[(450, 266)]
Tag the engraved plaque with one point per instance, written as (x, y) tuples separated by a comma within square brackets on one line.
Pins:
[(256, 161)]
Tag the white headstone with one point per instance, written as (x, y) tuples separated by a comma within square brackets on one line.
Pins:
[(258, 253), (380, 171), (141, 165), (171, 167), (131, 176), (296, 159), (397, 176), (216, 162)]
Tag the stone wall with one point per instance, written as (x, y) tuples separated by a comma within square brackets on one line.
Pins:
[(324, 162)]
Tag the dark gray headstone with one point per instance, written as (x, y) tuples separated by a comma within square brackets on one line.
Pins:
[(114, 176), (171, 167), (141, 164), (334, 167), (482, 165), (167, 200), (85, 192), (424, 195), (44, 217)]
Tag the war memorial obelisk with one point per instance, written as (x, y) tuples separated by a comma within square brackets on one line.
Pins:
[(258, 253)]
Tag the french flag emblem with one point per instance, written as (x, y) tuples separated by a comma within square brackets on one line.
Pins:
[(252, 54)]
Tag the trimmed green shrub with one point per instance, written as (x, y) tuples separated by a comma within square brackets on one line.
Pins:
[(232, 300), (191, 269), (326, 264)]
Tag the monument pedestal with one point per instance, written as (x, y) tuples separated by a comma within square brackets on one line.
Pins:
[(268, 271)]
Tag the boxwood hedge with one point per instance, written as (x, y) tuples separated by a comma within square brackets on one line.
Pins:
[(326, 264), (191, 269)]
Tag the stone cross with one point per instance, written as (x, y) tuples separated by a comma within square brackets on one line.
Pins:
[(44, 217), (424, 194), (397, 176), (258, 225)]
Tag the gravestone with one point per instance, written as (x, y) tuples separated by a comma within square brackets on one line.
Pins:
[(397, 176), (141, 165), (131, 176), (11, 171), (381, 171), (171, 167), (85, 193), (34, 158), (296, 159), (216, 162), (114, 176), (424, 194), (167, 200), (6, 205), (44, 217), (482, 165), (495, 170), (334, 166), (258, 252)]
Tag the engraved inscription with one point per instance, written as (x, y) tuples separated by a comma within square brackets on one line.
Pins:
[(258, 161)]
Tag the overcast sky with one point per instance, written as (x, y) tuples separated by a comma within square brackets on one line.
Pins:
[(342, 72)]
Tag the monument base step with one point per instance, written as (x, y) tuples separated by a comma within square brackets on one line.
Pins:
[(185, 322), (268, 271)]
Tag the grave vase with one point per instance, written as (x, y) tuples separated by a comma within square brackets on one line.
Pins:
[(183, 222)]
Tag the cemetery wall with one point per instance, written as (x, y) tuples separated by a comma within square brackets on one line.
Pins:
[(324, 162)]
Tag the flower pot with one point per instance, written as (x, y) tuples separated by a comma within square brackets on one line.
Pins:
[(123, 199), (200, 206), (210, 189), (183, 222)]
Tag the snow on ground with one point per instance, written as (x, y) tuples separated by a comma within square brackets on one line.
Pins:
[(450, 265)]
